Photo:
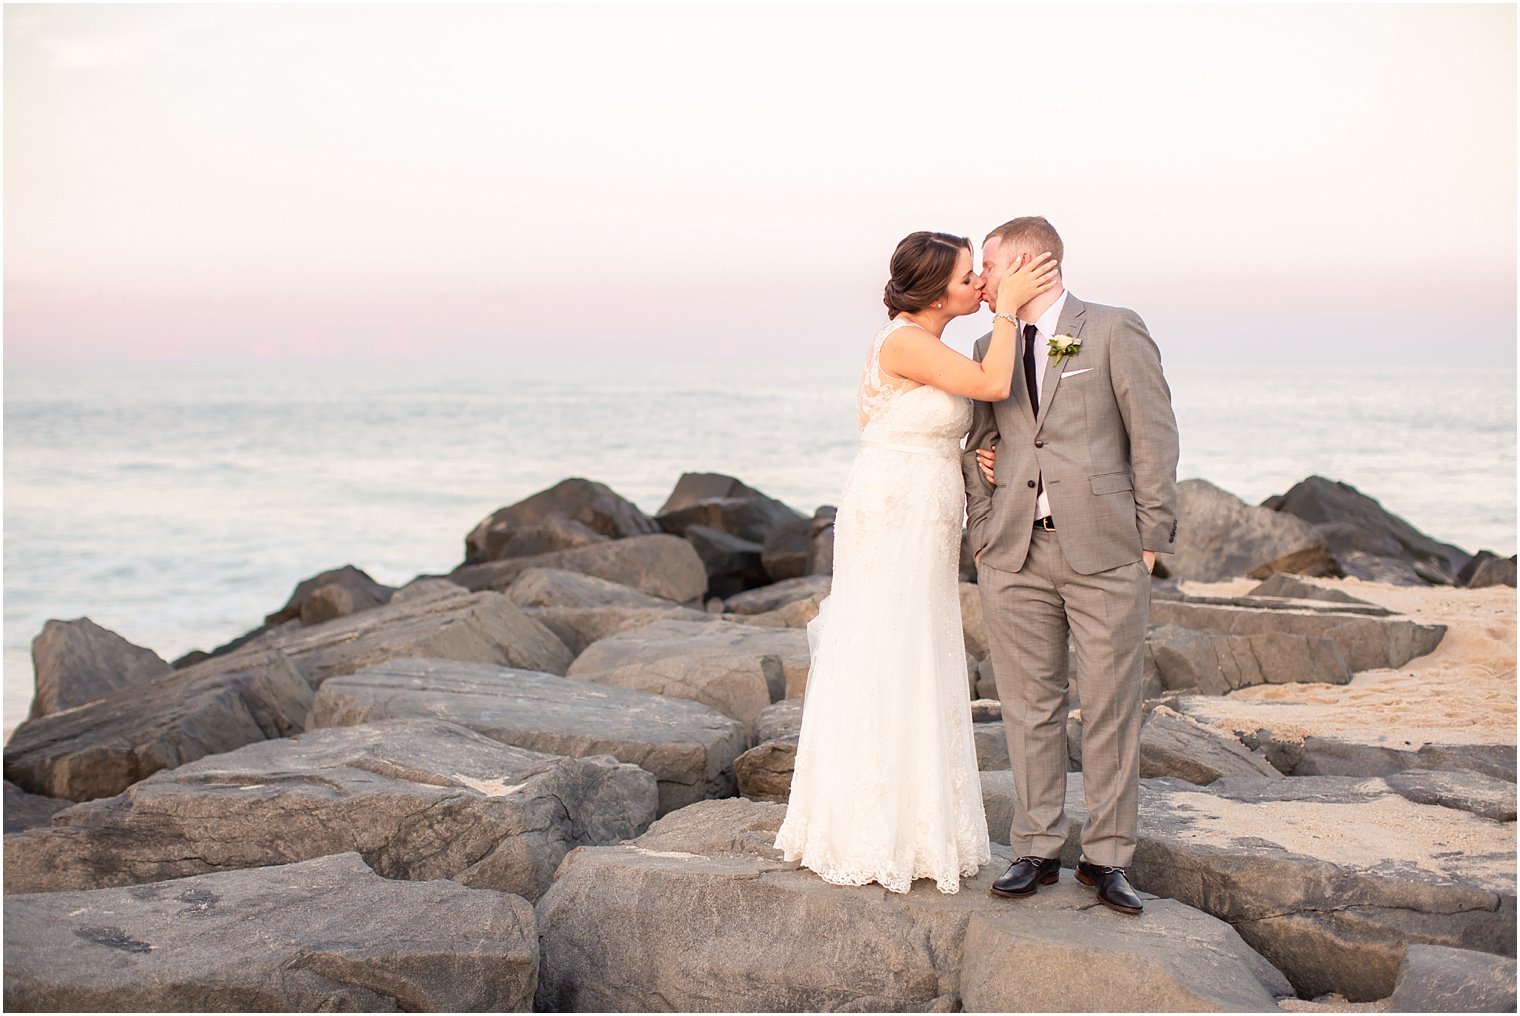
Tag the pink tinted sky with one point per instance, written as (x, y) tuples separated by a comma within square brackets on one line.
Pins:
[(1264, 183)]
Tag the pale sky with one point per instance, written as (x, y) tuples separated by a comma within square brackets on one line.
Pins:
[(1264, 184)]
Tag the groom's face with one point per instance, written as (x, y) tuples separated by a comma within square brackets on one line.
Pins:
[(998, 259)]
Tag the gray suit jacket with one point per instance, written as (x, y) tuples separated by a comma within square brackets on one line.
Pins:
[(1105, 442)]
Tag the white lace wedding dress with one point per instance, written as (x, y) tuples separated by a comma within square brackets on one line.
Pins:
[(886, 786)]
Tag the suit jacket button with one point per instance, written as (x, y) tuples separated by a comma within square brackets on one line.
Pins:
[(1031, 483), (1039, 444)]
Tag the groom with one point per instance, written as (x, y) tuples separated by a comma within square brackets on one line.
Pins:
[(1084, 496)]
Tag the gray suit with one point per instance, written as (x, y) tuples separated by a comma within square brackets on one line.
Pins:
[(1105, 445)]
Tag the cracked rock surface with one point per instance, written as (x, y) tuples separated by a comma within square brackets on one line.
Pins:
[(323, 935), (417, 798)]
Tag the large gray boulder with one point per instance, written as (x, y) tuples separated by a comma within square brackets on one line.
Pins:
[(701, 914), (79, 661), (483, 628), (1213, 663), (417, 798), (1172, 744), (1367, 641), (334, 593), (1328, 877), (102, 747), (750, 515), (1221, 537), (659, 565), (736, 669), (1368, 541), (694, 488), (1433, 978), (556, 587), (552, 514), (688, 747), (579, 627), (326, 935)]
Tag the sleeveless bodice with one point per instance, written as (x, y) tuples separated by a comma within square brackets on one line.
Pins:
[(907, 414)]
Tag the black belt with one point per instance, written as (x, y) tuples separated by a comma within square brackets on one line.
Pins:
[(1047, 523)]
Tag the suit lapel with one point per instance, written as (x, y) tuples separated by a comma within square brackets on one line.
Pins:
[(1073, 317)]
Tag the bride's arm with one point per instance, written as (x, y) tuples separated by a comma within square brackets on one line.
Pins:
[(915, 354)]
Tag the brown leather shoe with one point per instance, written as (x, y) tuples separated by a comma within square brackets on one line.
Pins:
[(1025, 876), (1114, 890)]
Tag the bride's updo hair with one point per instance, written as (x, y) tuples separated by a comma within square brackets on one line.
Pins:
[(921, 269)]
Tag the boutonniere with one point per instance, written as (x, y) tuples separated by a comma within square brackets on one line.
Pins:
[(1064, 346)]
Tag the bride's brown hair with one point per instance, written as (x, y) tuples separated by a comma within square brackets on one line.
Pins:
[(921, 267)]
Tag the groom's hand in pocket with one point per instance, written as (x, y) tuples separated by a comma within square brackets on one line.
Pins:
[(1150, 559)]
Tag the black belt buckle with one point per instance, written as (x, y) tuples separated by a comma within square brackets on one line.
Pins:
[(1046, 523)]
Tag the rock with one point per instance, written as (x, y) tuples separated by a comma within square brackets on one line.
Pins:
[(79, 661), (765, 771), (736, 669), (482, 627), (1353, 523), (553, 533), (579, 627), (733, 564), (985, 681), (779, 720), (778, 595), (417, 798), (1368, 642), (103, 747), (555, 587), (991, 744), (688, 747), (674, 919), (788, 549), (973, 623), (259, 638), (1221, 537), (797, 614), (339, 587), (1473, 792), (1316, 561), (325, 935), (659, 565), (596, 507), (1286, 586), (1494, 572), (1434, 978), (821, 541), (422, 589), (1210, 663), (29, 811), (1327, 877), (693, 488), (1172, 744), (749, 517), (998, 797)]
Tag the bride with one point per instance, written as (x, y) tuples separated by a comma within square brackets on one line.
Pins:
[(886, 787)]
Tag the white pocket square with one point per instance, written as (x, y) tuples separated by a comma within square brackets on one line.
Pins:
[(1074, 373)]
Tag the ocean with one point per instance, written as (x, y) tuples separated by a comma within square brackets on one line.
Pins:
[(177, 505)]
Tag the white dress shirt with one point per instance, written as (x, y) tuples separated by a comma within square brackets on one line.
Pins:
[(1045, 330)]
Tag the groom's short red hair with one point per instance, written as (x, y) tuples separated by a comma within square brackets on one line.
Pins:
[(1033, 232)]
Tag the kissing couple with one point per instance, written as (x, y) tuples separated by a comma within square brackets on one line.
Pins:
[(1068, 485)]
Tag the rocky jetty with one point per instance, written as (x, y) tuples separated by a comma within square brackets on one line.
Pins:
[(551, 779)]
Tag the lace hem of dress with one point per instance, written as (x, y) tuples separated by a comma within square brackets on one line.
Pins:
[(893, 878)]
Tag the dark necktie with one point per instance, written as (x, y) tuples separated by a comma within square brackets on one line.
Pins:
[(1029, 379)]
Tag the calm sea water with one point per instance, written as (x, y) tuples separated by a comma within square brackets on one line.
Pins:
[(179, 505)]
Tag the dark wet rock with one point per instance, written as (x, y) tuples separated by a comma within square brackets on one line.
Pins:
[(778, 594), (1220, 537), (79, 661), (788, 549), (1367, 540), (737, 669), (658, 565), (1328, 877), (1496, 571), (570, 511), (688, 747), (1213, 663), (694, 488), (29, 811), (325, 935), (668, 922), (417, 798), (1369, 642), (750, 517), (1434, 978), (733, 563), (821, 541), (334, 593), (103, 747)]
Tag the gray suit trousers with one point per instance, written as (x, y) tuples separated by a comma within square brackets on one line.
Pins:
[(1105, 614)]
